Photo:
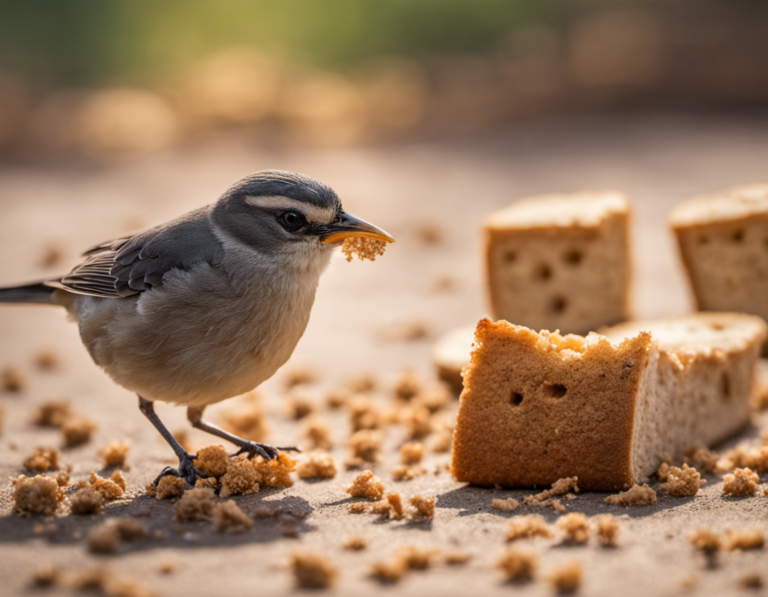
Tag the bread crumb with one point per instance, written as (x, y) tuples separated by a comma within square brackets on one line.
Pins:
[(425, 506), (246, 418), (704, 459), (683, 481), (574, 526), (337, 397), (62, 478), (444, 283), (52, 413), (531, 525), (566, 578), (456, 558), (46, 575), (435, 398), (43, 460), (543, 500), (170, 486), (417, 421), (430, 233), (442, 438), (362, 383), (299, 376), (275, 472), (115, 453), (77, 431), (47, 359), (212, 460), (317, 433), (396, 504), (111, 488), (229, 518), (406, 331), (411, 453), (607, 530), (36, 495), (689, 582), (704, 539), (637, 495), (363, 247), (207, 483), (505, 505), (743, 539), (106, 537), (359, 508), (518, 565), (403, 472), (407, 385), (416, 558), (86, 501), (364, 446), (355, 543), (299, 404), (365, 413), (317, 465), (12, 381), (367, 485), (51, 255), (389, 571), (168, 566), (313, 570), (742, 481), (195, 504), (563, 486), (241, 478), (751, 580)]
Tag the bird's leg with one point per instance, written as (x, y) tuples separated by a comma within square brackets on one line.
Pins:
[(195, 416), (186, 470)]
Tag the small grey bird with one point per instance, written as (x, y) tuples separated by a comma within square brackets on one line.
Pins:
[(209, 305)]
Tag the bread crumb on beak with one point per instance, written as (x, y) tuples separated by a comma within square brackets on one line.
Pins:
[(363, 248)]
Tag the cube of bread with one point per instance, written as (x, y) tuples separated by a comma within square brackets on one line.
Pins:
[(723, 240), (538, 407), (561, 262)]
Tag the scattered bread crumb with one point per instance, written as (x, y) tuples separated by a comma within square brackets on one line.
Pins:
[(704, 539), (51, 255), (425, 506), (743, 539), (212, 460), (574, 526), (86, 501), (637, 495), (115, 453), (430, 233), (411, 453), (406, 331), (565, 485), (442, 438), (417, 421), (299, 376), (456, 558), (364, 446), (683, 481), (407, 385), (229, 518), (242, 476), (246, 418), (607, 530), (168, 566), (47, 359), (517, 564), (46, 575), (363, 247), (313, 570), (566, 578), (404, 472), (111, 488), (299, 403), (355, 543), (337, 397), (389, 571), (751, 580), (77, 431), (316, 466), (106, 537), (435, 398), (63, 478), (396, 504), (365, 413), (532, 525), (742, 481), (704, 459), (317, 433), (367, 485), (52, 413), (12, 380), (195, 504), (416, 558), (362, 383), (170, 486), (275, 472), (43, 460), (36, 495), (505, 505)]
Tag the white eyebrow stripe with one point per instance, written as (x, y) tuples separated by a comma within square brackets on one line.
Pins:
[(315, 214)]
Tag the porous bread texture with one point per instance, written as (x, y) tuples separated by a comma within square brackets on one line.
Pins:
[(722, 240), (537, 407), (561, 262)]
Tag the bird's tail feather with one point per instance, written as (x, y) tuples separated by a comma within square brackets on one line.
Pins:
[(37, 293)]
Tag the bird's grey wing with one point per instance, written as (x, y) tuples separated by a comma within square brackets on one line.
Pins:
[(129, 265)]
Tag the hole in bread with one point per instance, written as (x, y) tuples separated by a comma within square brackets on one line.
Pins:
[(543, 272), (510, 256), (558, 304), (516, 399), (573, 257), (725, 386), (738, 235), (555, 390)]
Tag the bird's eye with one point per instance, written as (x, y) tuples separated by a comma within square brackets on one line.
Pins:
[(292, 220)]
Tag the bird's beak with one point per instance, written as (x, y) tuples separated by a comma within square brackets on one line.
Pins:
[(350, 226)]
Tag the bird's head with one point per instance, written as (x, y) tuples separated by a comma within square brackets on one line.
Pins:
[(289, 214)]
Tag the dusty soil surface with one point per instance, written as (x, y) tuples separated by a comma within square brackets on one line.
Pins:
[(356, 327)]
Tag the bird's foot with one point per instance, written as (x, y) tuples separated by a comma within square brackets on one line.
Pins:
[(186, 471), (266, 451)]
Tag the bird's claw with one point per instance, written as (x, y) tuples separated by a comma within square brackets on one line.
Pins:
[(266, 451), (187, 471)]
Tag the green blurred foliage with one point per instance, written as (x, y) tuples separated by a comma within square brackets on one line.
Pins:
[(95, 41)]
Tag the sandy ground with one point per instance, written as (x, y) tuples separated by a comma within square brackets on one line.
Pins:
[(657, 160)]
